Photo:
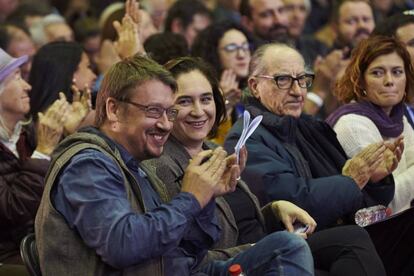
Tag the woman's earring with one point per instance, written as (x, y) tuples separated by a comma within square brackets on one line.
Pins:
[(73, 81), (364, 93)]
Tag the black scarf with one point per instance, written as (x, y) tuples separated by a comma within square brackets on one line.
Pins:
[(315, 141)]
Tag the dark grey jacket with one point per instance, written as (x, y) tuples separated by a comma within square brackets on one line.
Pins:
[(170, 169)]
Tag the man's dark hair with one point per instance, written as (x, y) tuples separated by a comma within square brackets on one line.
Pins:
[(5, 37), (338, 4), (6, 34), (165, 46), (185, 10), (245, 8), (85, 27), (390, 25), (28, 9)]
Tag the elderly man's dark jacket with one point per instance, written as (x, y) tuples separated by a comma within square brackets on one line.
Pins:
[(21, 188), (300, 160)]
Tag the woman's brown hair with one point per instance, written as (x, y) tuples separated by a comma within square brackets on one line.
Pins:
[(351, 85)]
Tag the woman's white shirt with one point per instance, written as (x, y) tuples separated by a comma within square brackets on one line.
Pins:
[(355, 132)]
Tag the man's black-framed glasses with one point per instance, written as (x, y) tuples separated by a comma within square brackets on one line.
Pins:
[(286, 81), (155, 111)]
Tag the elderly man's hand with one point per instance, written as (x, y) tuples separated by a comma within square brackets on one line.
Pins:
[(289, 213), (365, 164), (205, 180)]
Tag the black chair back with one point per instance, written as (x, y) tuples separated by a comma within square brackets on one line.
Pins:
[(28, 251)]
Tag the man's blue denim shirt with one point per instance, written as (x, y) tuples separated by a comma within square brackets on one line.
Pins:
[(90, 194)]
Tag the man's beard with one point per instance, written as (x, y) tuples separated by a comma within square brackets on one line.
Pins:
[(277, 33), (355, 38), (360, 31)]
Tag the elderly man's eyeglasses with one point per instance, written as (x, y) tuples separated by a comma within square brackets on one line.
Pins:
[(286, 81), (233, 47), (154, 111)]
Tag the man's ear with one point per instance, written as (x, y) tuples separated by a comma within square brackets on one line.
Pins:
[(176, 26), (252, 83), (112, 110)]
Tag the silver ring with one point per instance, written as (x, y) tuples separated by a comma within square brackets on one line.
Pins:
[(238, 178)]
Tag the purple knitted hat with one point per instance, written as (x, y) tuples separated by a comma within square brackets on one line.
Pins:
[(8, 64)]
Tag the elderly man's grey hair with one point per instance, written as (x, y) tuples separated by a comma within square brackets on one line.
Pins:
[(257, 65)]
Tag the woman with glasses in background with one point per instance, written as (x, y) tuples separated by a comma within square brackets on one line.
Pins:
[(227, 47)]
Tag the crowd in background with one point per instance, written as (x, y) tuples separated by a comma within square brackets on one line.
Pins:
[(339, 140)]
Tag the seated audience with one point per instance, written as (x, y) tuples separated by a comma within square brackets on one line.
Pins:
[(157, 9), (297, 158), (201, 107), (377, 82), (87, 33), (353, 21), (115, 217), (267, 20), (29, 13), (16, 41), (188, 18), (298, 12), (51, 28), (23, 155)]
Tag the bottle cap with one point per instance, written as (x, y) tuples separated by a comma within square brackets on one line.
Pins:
[(235, 269)]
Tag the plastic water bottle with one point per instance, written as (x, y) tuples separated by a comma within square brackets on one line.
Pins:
[(236, 270), (367, 216)]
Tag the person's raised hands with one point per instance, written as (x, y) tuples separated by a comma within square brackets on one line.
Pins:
[(80, 107), (128, 43), (392, 156), (230, 87), (49, 127), (397, 148), (203, 179), (132, 9), (363, 166)]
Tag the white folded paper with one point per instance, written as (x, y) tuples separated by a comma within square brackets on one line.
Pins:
[(248, 129)]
